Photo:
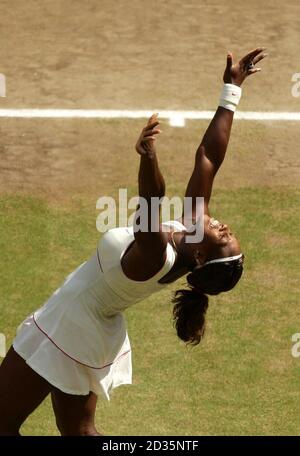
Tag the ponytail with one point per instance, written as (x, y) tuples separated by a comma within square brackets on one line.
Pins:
[(189, 314), (191, 304)]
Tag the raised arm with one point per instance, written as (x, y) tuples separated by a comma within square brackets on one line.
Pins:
[(147, 253), (212, 149), (151, 187)]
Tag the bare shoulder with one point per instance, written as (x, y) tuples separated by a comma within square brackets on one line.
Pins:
[(144, 258)]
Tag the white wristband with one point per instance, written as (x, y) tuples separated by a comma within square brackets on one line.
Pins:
[(230, 96)]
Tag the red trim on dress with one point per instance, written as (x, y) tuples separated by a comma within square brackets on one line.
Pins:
[(76, 360)]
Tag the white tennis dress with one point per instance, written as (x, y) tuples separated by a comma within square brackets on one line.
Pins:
[(78, 340)]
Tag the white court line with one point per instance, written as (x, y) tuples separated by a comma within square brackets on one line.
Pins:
[(176, 118)]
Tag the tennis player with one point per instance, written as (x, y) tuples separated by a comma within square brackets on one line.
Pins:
[(76, 346)]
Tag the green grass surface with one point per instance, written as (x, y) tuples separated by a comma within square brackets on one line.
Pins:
[(241, 380)]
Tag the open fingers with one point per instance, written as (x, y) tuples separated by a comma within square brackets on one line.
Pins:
[(250, 66), (153, 131), (152, 125), (251, 55), (254, 70), (258, 58)]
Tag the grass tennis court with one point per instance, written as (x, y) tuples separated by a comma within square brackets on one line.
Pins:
[(243, 371)]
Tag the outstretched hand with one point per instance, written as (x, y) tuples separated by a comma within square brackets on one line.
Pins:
[(145, 143), (236, 73)]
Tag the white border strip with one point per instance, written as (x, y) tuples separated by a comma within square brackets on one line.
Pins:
[(118, 114)]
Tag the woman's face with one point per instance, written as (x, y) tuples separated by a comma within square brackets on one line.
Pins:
[(220, 239)]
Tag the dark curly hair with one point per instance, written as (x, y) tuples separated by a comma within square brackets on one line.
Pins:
[(191, 304)]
